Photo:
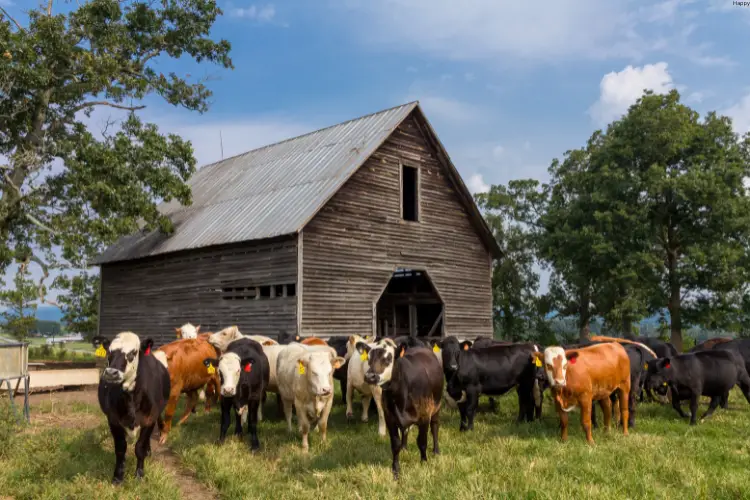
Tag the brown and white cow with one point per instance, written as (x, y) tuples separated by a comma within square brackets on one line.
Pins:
[(357, 367), (188, 375), (305, 380), (578, 377), (187, 331)]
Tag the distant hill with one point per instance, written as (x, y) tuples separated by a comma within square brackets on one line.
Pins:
[(47, 312)]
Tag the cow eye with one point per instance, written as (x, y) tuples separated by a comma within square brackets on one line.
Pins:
[(131, 355)]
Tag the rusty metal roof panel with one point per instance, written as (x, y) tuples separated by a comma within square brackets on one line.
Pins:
[(270, 191)]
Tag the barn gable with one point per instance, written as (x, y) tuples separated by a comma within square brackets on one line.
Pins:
[(277, 189)]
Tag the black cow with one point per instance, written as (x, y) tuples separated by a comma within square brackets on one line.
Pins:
[(244, 372), (133, 391), (285, 338), (412, 391), (494, 371), (705, 373)]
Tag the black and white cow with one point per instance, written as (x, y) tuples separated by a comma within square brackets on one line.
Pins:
[(244, 373), (133, 391), (494, 371), (704, 373)]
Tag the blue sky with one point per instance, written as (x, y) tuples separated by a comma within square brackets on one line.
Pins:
[(508, 85)]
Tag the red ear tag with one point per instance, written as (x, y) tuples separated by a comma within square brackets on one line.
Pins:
[(248, 367), (667, 365), (148, 351), (572, 361)]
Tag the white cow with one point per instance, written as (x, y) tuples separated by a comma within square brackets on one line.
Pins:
[(187, 331), (305, 380), (223, 338), (358, 366)]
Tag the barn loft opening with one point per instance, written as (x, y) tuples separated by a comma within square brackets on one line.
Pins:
[(409, 193), (410, 305)]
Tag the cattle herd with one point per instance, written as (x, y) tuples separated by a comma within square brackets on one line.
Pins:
[(407, 378)]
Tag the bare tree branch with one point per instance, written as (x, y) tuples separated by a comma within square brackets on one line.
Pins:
[(45, 274), (49, 7), (5, 12), (12, 184), (106, 103), (40, 224)]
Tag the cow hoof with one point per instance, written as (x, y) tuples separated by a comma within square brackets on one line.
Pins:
[(219, 442), (162, 438), (139, 473), (349, 416), (365, 420), (116, 481)]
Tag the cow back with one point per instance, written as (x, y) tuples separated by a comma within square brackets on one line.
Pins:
[(603, 367), (185, 362)]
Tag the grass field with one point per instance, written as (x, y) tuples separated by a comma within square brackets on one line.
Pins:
[(67, 453)]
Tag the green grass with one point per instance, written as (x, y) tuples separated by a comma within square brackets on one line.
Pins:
[(662, 458)]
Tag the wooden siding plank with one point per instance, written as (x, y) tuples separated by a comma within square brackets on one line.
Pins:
[(354, 243)]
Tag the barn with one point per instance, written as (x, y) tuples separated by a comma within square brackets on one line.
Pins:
[(361, 227)]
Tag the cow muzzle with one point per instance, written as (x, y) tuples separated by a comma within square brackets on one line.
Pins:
[(371, 378), (453, 366), (324, 391), (113, 376), (229, 392)]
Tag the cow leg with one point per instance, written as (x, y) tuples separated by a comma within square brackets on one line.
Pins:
[(226, 416), (288, 405), (366, 407), (606, 406), (434, 427), (538, 399), (593, 417), (493, 405), (344, 382), (623, 394), (174, 395), (142, 448), (712, 406), (121, 447), (349, 396), (304, 428), (192, 401), (586, 418), (694, 397), (422, 441), (323, 420), (252, 423), (238, 420), (744, 383), (377, 393), (472, 402), (725, 400), (563, 422), (404, 437), (462, 410), (631, 409), (393, 432), (279, 405)]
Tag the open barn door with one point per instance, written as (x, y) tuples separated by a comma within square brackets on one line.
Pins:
[(410, 305)]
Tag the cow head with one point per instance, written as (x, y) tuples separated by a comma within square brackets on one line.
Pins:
[(285, 338), (187, 331), (231, 369), (351, 345), (556, 361), (449, 349), (317, 367), (659, 373), (123, 356), (102, 342), (381, 358), (221, 339)]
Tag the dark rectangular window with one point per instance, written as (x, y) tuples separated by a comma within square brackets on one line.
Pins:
[(409, 193), (291, 290)]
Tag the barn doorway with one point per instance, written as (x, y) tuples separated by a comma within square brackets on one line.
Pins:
[(410, 305)]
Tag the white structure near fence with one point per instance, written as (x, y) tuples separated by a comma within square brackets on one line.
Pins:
[(76, 337)]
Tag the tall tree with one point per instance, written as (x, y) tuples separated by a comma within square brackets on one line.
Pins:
[(688, 174), (19, 307), (65, 191)]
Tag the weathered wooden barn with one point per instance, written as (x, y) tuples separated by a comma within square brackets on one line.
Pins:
[(361, 227)]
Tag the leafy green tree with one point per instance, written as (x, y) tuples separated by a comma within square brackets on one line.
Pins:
[(80, 305), (682, 179), (19, 306), (67, 192)]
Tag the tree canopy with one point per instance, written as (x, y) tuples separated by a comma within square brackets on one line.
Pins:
[(67, 191)]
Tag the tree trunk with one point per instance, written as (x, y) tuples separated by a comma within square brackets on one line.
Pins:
[(675, 298), (584, 315), (627, 326)]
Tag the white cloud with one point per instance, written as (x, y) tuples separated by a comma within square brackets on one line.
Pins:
[(621, 89), (476, 184), (740, 115), (263, 14)]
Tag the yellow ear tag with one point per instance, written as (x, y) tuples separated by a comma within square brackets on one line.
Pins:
[(211, 370), (435, 348), (100, 352), (664, 384), (537, 362), (645, 367), (363, 356), (301, 368)]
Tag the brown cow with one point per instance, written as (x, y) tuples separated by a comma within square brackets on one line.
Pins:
[(188, 374), (313, 341), (580, 376)]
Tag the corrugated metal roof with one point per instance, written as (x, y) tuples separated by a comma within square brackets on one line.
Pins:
[(271, 191)]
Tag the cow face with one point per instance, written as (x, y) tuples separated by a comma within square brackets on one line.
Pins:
[(449, 349), (221, 339), (381, 359), (318, 368), (231, 368), (187, 331), (123, 360), (556, 365), (659, 374), (285, 337)]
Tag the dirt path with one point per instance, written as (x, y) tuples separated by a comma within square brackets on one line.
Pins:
[(60, 415)]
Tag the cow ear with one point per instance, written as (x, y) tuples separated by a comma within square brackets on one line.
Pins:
[(352, 339), (297, 338), (572, 357), (536, 358), (178, 332), (146, 346), (338, 362), (466, 344), (666, 363), (402, 349), (198, 329), (247, 364), (210, 362), (362, 348)]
